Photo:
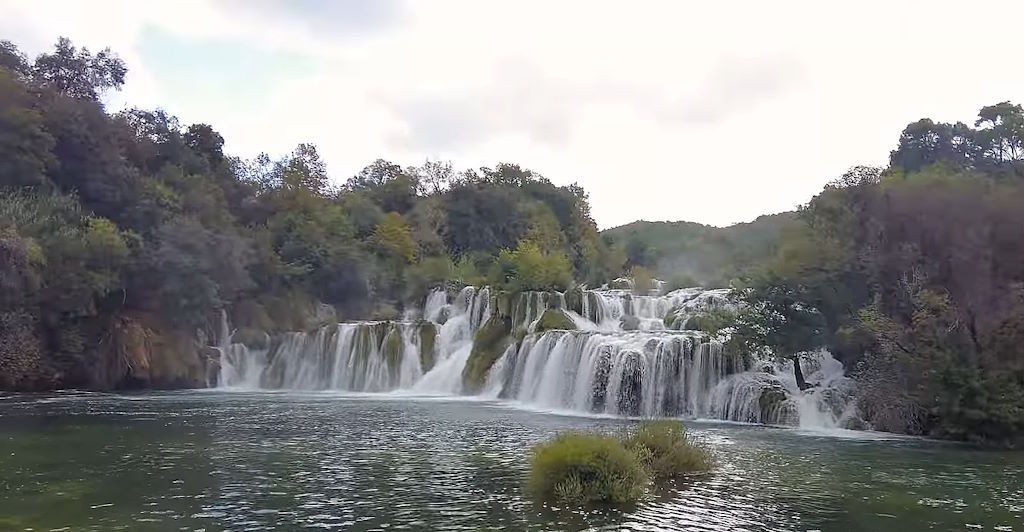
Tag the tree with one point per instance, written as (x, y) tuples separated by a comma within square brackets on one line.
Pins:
[(394, 237), (777, 323), (434, 176), (304, 170), (529, 268), (1000, 137), (25, 145), (77, 73), (13, 60), (205, 142)]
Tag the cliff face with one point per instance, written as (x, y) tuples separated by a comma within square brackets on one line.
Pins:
[(142, 354), (136, 351)]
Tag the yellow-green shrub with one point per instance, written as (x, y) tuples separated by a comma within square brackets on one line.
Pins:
[(585, 469), (667, 450)]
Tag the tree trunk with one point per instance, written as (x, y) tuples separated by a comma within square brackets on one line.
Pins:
[(800, 382)]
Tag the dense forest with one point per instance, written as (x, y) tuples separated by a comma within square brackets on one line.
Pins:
[(123, 235), (687, 253), (911, 275)]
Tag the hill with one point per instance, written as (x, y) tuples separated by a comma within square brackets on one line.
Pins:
[(708, 255)]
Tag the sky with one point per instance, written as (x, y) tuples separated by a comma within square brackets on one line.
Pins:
[(713, 112)]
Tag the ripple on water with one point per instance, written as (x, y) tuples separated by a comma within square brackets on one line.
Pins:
[(282, 461)]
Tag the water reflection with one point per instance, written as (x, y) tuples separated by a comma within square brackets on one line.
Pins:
[(216, 461)]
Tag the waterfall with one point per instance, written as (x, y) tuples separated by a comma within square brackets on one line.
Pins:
[(622, 373), (632, 355)]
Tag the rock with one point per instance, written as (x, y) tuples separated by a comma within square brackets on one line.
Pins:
[(555, 319), (392, 351), (21, 354), (574, 299), (428, 338), (489, 343), (144, 354), (252, 338), (620, 284), (629, 323), (443, 315), (503, 304), (775, 406)]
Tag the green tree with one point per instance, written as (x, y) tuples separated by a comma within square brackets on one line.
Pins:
[(394, 237), (77, 73), (25, 145)]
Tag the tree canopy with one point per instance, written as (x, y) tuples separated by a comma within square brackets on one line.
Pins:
[(133, 215)]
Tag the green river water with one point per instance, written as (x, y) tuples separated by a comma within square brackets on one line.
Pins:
[(281, 461)]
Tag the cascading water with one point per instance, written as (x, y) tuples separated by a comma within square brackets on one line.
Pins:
[(631, 355), (366, 356), (625, 373)]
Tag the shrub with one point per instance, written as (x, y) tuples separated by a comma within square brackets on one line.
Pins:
[(529, 268), (667, 451), (643, 280), (585, 469)]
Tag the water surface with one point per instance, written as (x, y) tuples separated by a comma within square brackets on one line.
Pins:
[(260, 461)]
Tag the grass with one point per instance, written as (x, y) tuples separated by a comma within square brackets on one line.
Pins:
[(586, 469), (582, 469), (667, 451)]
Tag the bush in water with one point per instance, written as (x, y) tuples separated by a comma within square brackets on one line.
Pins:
[(578, 469), (667, 451)]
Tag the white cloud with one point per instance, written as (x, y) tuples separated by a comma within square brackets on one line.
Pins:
[(713, 112)]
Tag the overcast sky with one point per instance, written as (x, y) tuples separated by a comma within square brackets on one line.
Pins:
[(714, 112)]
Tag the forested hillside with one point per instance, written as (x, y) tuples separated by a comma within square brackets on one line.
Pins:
[(913, 275), (123, 235), (688, 253)]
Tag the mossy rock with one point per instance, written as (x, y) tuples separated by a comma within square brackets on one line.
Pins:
[(392, 350), (620, 284), (629, 323), (489, 343), (503, 303), (770, 401), (555, 319), (671, 319), (519, 334), (574, 299), (428, 338), (251, 337), (443, 315), (553, 299)]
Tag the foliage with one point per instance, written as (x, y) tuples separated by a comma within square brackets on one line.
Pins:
[(134, 218), (912, 277), (393, 237), (643, 280), (426, 275), (713, 321), (995, 145), (667, 450), (706, 256), (528, 268), (580, 469), (77, 73)]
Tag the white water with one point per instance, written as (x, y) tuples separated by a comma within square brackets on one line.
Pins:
[(599, 369)]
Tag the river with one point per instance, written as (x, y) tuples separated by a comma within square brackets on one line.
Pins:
[(221, 460)]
